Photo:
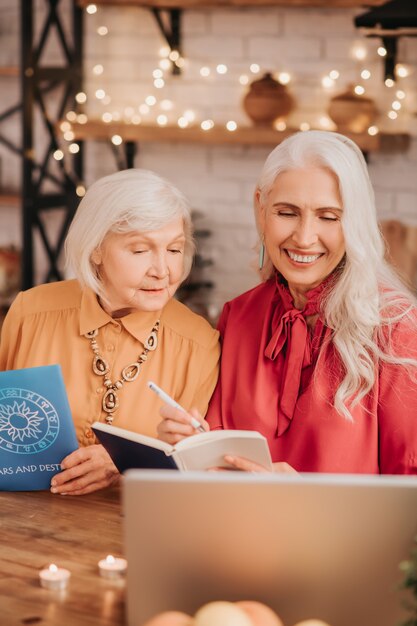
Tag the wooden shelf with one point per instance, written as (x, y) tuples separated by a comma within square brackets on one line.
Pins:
[(245, 135), (195, 4), (10, 199), (9, 70)]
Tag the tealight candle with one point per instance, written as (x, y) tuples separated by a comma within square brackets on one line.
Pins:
[(54, 577), (112, 567)]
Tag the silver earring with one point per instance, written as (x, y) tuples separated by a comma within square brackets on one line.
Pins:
[(261, 255)]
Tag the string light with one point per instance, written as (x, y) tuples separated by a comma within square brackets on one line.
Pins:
[(65, 126), (396, 105), (244, 79), (360, 53), (157, 73), (182, 122), (102, 30), (164, 51), (389, 82), (68, 135), (136, 119), (71, 116), (164, 64), (58, 155), (327, 82), (382, 51), (365, 74), (98, 69), (150, 100), (74, 148), (189, 115), (205, 71), (82, 118), (91, 9), (221, 68), (107, 117), (254, 68), (392, 115), (116, 140), (304, 126), (231, 125), (207, 124), (334, 74), (159, 83), (81, 97), (400, 94), (359, 90), (144, 109), (174, 55), (401, 71), (180, 62), (100, 94), (284, 78), (162, 120), (373, 130), (280, 125), (166, 105)]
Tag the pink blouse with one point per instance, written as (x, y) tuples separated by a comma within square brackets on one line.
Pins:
[(271, 381)]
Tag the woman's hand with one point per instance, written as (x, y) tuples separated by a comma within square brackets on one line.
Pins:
[(177, 424), (85, 470), (239, 463)]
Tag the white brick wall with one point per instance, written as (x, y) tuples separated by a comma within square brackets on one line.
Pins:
[(219, 180)]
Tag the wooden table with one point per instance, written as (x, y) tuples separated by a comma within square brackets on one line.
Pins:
[(38, 528)]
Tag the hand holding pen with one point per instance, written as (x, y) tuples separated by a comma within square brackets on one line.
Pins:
[(173, 428)]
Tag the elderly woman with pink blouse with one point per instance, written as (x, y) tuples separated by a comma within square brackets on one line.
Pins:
[(321, 357)]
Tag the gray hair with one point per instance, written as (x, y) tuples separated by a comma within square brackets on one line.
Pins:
[(133, 199), (367, 295)]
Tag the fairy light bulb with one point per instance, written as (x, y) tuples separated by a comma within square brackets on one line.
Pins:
[(164, 51), (221, 68), (401, 71), (280, 125), (82, 118), (189, 115), (81, 97), (159, 83), (107, 117), (392, 115), (74, 148), (182, 122), (116, 140), (71, 116), (254, 68), (327, 82), (150, 100), (244, 79), (360, 53), (382, 51), (143, 109), (304, 126), (231, 126), (158, 73), (58, 155), (334, 74), (100, 94), (91, 9), (365, 74), (359, 90), (396, 105), (207, 124), (98, 69), (136, 119), (162, 120), (102, 31), (400, 94), (284, 78), (65, 126), (205, 71), (389, 83), (373, 130), (164, 64), (69, 135), (174, 55)]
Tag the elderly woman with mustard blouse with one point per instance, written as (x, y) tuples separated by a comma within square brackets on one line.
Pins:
[(321, 357), (116, 325)]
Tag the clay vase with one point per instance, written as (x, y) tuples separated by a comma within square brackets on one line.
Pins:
[(267, 100), (351, 112)]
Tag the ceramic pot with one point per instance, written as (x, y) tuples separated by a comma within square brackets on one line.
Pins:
[(267, 100), (351, 112)]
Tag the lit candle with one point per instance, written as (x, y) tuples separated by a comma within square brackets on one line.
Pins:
[(54, 577), (112, 567)]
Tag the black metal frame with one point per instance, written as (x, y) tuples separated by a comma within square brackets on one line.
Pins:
[(39, 93)]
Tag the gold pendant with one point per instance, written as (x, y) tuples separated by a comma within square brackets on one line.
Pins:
[(131, 372), (152, 341), (100, 366), (110, 401)]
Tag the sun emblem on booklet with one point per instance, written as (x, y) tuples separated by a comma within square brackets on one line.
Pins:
[(28, 422)]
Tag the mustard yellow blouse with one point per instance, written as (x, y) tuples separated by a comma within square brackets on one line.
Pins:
[(46, 325)]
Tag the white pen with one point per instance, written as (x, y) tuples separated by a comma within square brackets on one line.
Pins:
[(168, 400)]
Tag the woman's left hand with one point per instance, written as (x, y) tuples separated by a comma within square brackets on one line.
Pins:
[(240, 463), (85, 470)]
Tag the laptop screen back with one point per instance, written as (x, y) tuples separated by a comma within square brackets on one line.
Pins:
[(309, 546)]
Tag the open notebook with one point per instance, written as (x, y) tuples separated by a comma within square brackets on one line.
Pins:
[(310, 546)]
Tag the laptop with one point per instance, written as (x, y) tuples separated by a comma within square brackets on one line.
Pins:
[(309, 546)]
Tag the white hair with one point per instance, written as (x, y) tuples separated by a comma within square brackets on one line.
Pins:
[(133, 199), (366, 298)]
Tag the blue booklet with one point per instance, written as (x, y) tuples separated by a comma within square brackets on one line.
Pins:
[(36, 427)]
